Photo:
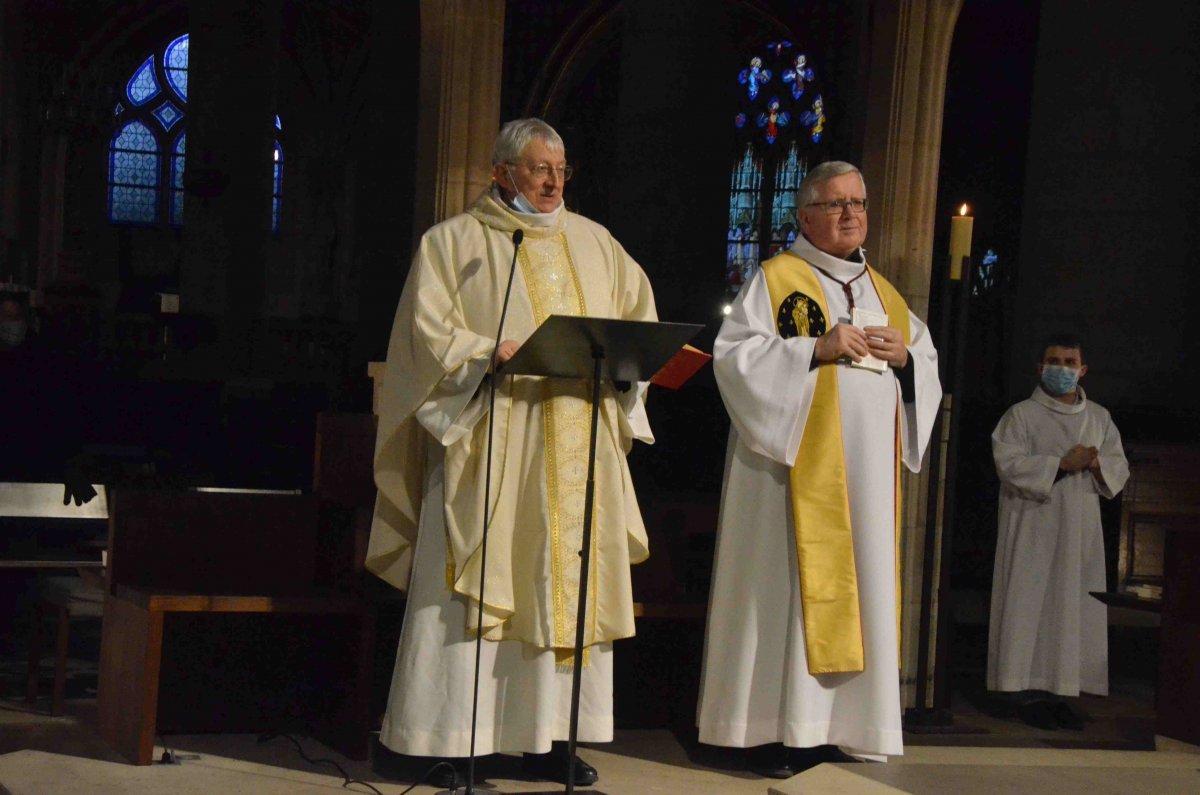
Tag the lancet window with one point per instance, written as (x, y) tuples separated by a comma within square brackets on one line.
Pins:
[(780, 122)]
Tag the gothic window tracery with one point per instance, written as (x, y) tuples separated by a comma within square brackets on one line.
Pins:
[(146, 154), (780, 122)]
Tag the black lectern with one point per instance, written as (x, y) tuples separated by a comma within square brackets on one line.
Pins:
[(596, 348)]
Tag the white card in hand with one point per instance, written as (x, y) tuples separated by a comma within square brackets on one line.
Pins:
[(861, 318)]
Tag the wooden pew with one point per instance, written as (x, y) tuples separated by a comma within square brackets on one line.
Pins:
[(1160, 555), (215, 620)]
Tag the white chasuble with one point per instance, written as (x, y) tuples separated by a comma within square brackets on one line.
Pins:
[(1046, 631), (756, 687), (431, 468)]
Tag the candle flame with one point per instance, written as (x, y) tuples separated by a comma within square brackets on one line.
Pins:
[(962, 210)]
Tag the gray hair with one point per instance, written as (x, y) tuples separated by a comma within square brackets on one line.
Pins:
[(517, 134), (823, 172)]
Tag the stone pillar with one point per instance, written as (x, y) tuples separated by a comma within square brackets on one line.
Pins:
[(910, 51), (462, 52), (233, 59)]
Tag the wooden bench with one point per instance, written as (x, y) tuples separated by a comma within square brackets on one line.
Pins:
[(214, 620), (1159, 558)]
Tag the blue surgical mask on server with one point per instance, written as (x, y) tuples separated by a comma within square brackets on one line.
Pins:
[(1059, 380)]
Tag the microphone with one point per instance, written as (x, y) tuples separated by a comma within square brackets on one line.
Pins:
[(517, 236)]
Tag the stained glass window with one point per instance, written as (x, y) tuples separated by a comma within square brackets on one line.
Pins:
[(744, 191), (134, 168), (177, 180), (147, 152), (176, 64), (784, 224), (147, 149), (167, 114), (143, 86), (779, 124), (985, 273), (276, 185)]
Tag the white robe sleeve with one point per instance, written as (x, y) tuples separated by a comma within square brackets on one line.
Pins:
[(1030, 475), (1114, 467), (919, 415), (765, 380), (456, 403)]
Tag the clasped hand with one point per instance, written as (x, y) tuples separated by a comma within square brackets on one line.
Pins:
[(1079, 458), (882, 342)]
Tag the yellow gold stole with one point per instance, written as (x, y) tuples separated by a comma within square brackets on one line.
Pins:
[(554, 289), (820, 497)]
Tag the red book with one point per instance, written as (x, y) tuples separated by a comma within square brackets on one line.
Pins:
[(680, 367)]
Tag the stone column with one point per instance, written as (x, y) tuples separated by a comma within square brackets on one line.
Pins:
[(910, 52), (462, 52), (233, 60)]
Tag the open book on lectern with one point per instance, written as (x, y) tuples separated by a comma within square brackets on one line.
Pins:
[(565, 346)]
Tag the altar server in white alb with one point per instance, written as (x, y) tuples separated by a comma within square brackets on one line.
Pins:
[(1056, 454), (801, 660), (431, 465)]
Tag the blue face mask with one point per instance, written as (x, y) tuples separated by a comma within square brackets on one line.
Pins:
[(523, 205), (1059, 380)]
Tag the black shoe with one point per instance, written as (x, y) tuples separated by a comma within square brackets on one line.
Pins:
[(1066, 717), (445, 775), (837, 756), (552, 766), (770, 761), (1038, 714), (801, 759)]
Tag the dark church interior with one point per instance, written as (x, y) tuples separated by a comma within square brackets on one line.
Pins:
[(208, 209)]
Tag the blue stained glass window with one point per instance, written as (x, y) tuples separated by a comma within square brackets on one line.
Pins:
[(146, 156), (985, 273), (134, 162), (276, 185), (143, 86), (784, 223), (177, 180), (167, 114), (744, 197), (175, 62)]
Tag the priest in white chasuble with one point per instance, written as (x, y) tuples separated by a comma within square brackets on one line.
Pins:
[(801, 661), (431, 468), (1056, 454)]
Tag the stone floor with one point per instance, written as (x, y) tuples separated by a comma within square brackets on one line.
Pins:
[(979, 753), (983, 750)]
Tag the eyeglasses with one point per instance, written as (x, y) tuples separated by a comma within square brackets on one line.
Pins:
[(838, 207), (543, 170)]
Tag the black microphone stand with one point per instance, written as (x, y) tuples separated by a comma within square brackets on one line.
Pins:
[(517, 236)]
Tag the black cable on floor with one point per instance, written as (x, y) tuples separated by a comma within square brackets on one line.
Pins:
[(347, 781)]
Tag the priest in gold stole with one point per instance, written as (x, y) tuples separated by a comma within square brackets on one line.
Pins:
[(801, 660), (430, 467)]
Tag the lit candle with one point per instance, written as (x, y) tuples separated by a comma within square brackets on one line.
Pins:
[(961, 226)]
